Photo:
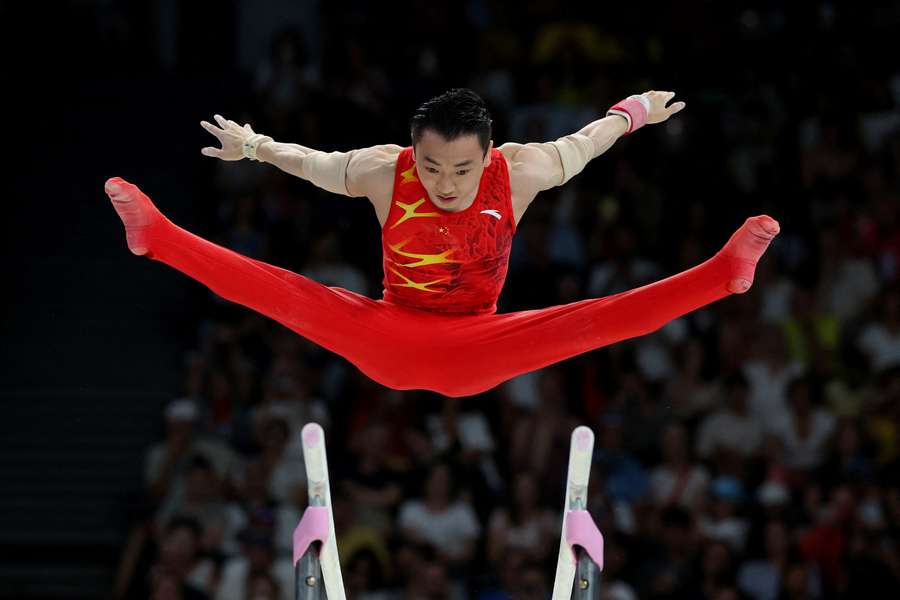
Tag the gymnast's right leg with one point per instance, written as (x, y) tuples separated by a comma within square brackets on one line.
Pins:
[(328, 316)]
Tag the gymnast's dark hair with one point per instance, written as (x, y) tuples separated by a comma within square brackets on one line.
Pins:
[(454, 113)]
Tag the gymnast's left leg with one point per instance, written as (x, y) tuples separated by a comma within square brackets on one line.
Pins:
[(488, 350)]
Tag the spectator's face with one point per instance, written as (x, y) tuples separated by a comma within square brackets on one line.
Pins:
[(255, 482), (408, 561), (259, 555), (611, 436), (180, 429), (776, 540), (716, 559), (274, 435), (435, 580), (848, 440), (360, 573), (892, 306), (804, 304), (615, 559), (553, 389), (724, 509), (675, 537), (674, 444), (179, 548), (773, 448), (801, 401), (737, 396), (772, 344), (219, 385), (166, 587), (526, 491), (450, 171), (841, 505), (532, 586), (511, 567), (796, 580), (727, 594), (376, 441), (342, 512), (437, 488), (200, 483), (262, 588)]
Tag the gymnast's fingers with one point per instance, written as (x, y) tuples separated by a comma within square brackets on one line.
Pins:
[(212, 129), (675, 107)]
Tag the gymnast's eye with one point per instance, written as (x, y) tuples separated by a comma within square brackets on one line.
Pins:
[(431, 169), (463, 172)]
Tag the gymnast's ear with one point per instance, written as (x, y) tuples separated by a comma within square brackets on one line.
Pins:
[(487, 154)]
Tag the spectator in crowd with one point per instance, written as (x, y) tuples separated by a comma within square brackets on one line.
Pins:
[(731, 429), (256, 572), (181, 563), (374, 489), (203, 501), (525, 526), (624, 477), (807, 428), (440, 519), (678, 480), (762, 578), (722, 520), (666, 569), (281, 460), (768, 373), (880, 339), (167, 461)]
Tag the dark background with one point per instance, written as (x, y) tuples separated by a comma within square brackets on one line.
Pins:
[(792, 111)]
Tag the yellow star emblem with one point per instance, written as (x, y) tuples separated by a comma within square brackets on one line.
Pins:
[(416, 285), (410, 211), (423, 259), (409, 175)]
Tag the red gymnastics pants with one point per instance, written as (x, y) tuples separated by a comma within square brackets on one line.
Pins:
[(454, 355)]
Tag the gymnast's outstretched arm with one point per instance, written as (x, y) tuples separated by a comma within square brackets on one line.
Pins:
[(535, 167), (365, 172)]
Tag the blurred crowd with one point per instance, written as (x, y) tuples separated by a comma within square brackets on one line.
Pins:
[(749, 450)]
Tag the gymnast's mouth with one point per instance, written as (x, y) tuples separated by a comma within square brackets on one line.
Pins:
[(446, 198)]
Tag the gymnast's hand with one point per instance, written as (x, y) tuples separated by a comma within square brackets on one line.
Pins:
[(231, 136), (658, 111)]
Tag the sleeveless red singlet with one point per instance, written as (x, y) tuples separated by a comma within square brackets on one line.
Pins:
[(447, 262)]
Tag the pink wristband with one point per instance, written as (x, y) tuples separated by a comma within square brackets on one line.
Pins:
[(634, 109)]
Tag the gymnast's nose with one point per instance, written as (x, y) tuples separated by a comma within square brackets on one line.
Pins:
[(445, 187)]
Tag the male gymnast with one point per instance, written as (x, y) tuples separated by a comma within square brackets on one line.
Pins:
[(448, 206)]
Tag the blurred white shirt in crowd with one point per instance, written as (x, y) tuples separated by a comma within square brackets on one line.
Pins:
[(685, 489), (729, 430), (449, 530), (236, 573), (808, 451), (768, 391), (880, 345)]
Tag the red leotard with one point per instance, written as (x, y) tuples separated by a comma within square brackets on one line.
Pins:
[(418, 337), (447, 262)]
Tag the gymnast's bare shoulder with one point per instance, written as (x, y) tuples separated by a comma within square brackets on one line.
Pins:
[(533, 168), (370, 173)]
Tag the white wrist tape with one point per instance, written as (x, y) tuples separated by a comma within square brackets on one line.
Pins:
[(575, 151), (327, 170), (248, 149)]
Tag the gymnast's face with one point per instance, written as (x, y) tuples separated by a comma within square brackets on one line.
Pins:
[(450, 171)]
